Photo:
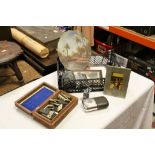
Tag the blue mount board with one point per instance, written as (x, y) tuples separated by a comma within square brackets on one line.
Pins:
[(36, 99)]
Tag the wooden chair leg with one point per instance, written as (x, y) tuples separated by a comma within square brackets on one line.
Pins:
[(17, 71)]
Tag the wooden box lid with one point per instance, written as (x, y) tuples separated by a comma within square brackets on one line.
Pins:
[(30, 101)]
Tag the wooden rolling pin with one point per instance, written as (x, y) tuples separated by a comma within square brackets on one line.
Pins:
[(29, 43)]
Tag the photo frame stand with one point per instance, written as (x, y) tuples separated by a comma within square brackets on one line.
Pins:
[(79, 85)]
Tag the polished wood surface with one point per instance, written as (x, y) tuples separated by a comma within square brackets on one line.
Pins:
[(9, 51), (43, 34)]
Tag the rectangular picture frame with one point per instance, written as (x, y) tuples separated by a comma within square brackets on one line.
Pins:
[(122, 61), (87, 74), (116, 82)]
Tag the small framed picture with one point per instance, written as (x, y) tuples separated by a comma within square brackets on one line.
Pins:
[(87, 74), (116, 82), (122, 61)]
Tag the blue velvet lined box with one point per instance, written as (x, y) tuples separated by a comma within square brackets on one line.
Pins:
[(35, 98), (38, 98)]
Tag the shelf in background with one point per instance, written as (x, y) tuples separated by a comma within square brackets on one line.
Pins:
[(148, 41)]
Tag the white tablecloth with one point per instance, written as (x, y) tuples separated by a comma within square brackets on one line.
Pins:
[(135, 111)]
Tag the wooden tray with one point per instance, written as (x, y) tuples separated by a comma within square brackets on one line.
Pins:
[(50, 123)]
